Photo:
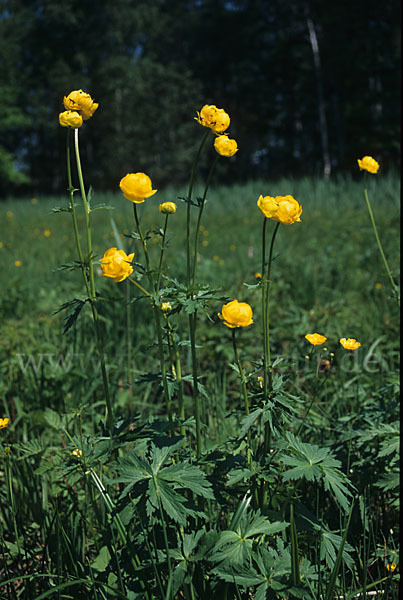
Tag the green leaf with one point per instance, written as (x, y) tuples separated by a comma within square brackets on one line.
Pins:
[(101, 562)]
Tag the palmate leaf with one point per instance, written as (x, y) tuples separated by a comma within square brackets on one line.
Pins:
[(164, 482), (235, 546), (313, 463)]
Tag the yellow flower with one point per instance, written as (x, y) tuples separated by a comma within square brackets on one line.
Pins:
[(70, 118), (391, 567), (367, 163), (280, 208), (215, 118), (1, 244), (315, 339), (4, 423), (136, 187), (205, 243), (350, 343), (225, 146), (116, 264), (236, 314), (77, 453), (166, 306), (18, 263), (34, 201), (378, 286), (168, 208), (81, 102), (221, 121), (258, 275), (47, 233)]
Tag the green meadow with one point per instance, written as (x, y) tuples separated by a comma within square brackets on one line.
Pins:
[(308, 510)]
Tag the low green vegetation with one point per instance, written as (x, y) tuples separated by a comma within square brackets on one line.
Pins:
[(297, 497)]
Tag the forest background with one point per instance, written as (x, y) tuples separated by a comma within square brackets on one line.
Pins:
[(310, 86)]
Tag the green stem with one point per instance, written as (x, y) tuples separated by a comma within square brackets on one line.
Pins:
[(162, 252), (199, 219), (87, 211), (196, 396), (129, 344), (73, 212), (178, 372), (156, 314), (267, 301), (245, 396), (92, 296), (189, 196), (385, 262), (241, 373), (263, 285), (268, 377)]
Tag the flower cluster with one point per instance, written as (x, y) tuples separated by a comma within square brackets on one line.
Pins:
[(215, 118), (367, 163), (316, 339), (284, 209), (116, 264), (79, 107), (236, 314), (136, 187)]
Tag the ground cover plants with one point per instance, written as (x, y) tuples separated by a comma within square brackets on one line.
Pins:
[(199, 387)]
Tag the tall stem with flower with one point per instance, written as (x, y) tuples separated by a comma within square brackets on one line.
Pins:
[(369, 164), (80, 107), (218, 121), (236, 314), (286, 210)]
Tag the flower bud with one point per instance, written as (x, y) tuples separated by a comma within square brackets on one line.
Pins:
[(168, 208)]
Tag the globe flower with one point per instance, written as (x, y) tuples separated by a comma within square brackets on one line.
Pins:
[(4, 423), (221, 121), (225, 146), (367, 163), (81, 102), (168, 208), (315, 339), (116, 264), (284, 209), (136, 187), (350, 343), (215, 118), (236, 314), (70, 118)]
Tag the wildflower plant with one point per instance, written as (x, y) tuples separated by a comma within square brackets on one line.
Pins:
[(260, 505)]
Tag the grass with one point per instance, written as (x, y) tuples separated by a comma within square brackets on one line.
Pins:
[(327, 277)]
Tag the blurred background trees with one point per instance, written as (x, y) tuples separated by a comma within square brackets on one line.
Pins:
[(309, 85)]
